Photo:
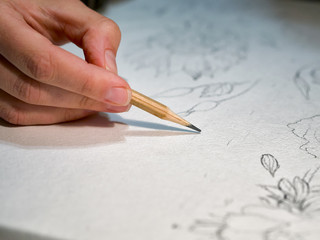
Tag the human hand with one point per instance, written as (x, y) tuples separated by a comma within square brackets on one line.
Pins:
[(40, 83)]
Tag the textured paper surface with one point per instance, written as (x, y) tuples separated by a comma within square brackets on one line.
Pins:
[(246, 72)]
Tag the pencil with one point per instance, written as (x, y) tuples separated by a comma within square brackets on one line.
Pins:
[(158, 109)]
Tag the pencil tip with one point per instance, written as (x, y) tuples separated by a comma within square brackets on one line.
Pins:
[(194, 128)]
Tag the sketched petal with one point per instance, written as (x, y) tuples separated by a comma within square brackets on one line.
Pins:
[(287, 189), (270, 163), (302, 189), (273, 191), (274, 197)]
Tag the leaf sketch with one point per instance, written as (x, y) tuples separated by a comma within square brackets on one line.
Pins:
[(308, 130), (270, 163), (307, 78), (207, 96), (288, 210), (168, 50)]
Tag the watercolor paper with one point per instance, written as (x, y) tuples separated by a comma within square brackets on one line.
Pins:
[(247, 72)]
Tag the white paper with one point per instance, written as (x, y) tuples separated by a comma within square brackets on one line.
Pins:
[(246, 72)]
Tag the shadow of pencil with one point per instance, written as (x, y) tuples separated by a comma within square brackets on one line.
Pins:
[(7, 233), (98, 129), (150, 125)]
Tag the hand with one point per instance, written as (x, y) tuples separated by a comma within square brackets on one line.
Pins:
[(40, 83)]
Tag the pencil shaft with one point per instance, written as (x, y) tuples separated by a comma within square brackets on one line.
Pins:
[(148, 104), (154, 107)]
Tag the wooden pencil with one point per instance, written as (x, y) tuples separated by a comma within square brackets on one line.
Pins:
[(158, 109)]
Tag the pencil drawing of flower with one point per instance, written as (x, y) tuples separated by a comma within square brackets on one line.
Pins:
[(294, 193), (168, 50), (289, 210), (296, 196)]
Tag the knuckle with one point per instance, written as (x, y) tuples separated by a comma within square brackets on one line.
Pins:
[(110, 26), (21, 89), (11, 115), (87, 86), (40, 66), (84, 102), (27, 91), (114, 27)]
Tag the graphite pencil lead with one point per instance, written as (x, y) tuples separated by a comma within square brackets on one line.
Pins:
[(194, 128)]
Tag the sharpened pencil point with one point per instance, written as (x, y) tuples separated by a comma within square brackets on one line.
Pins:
[(158, 109), (194, 128)]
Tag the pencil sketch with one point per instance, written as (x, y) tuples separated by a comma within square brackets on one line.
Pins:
[(270, 163), (207, 97), (287, 210), (308, 130), (295, 196), (307, 79), (168, 50)]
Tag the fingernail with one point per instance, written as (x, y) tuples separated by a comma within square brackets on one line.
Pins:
[(118, 96), (110, 63)]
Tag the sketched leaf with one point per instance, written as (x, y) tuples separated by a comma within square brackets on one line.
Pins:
[(274, 197), (217, 89), (303, 86), (270, 163), (287, 189), (175, 92), (273, 190), (302, 189)]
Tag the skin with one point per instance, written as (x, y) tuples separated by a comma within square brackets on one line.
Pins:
[(40, 83)]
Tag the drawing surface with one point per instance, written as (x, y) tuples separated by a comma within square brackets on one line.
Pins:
[(288, 209), (246, 72)]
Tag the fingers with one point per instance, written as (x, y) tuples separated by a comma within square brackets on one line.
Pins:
[(42, 83), (17, 112), (39, 59), (27, 90)]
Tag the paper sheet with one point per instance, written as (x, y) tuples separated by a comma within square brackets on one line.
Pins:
[(247, 72)]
